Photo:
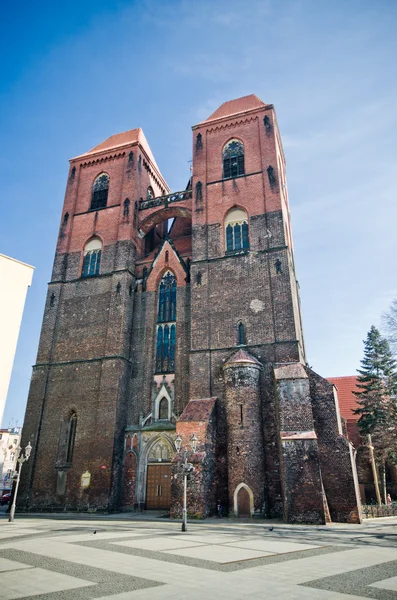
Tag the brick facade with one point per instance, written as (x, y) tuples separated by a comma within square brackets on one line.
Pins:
[(133, 362)]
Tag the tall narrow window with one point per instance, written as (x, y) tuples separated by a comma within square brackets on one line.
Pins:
[(240, 334), (100, 191), (167, 298), (166, 328), (233, 159), (92, 258), (71, 437), (149, 193), (163, 409), (236, 230)]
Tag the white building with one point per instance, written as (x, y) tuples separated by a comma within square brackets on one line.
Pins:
[(15, 278), (9, 445)]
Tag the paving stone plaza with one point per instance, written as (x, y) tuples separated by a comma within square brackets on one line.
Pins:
[(122, 558)]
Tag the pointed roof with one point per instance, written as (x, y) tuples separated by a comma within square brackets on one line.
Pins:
[(242, 357), (117, 140), (120, 140), (237, 106)]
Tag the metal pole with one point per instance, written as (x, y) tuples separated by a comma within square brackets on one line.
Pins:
[(14, 501), (184, 523)]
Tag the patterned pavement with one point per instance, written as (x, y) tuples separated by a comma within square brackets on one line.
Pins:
[(121, 558)]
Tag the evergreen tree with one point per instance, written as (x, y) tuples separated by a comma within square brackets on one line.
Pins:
[(377, 384)]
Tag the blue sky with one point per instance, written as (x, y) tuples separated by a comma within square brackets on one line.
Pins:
[(74, 73)]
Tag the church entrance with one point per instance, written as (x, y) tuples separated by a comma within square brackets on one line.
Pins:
[(158, 487), (243, 503)]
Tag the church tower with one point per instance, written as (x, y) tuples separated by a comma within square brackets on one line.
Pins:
[(77, 409), (178, 314)]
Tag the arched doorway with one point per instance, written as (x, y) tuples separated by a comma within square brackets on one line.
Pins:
[(243, 501), (158, 478)]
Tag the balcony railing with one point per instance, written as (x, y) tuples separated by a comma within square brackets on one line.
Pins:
[(165, 200)]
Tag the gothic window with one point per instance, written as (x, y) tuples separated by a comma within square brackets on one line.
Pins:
[(100, 191), (72, 424), (240, 334), (199, 192), (199, 142), (233, 159), (163, 409), (236, 230), (272, 176), (92, 258), (149, 193), (166, 328), (167, 298), (126, 209)]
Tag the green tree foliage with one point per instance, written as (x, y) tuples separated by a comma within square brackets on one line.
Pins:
[(377, 384)]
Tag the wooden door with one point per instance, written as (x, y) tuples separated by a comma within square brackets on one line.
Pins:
[(243, 503), (158, 487)]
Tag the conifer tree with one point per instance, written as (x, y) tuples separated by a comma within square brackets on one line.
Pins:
[(377, 384)]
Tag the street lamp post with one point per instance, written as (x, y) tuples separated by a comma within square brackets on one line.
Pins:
[(187, 468), (21, 459)]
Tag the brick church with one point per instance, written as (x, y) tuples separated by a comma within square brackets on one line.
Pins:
[(178, 314)]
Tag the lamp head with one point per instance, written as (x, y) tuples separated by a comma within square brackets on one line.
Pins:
[(193, 442), (28, 450), (178, 443)]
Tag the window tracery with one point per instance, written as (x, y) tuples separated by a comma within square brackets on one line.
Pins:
[(166, 328), (233, 159), (92, 258), (100, 191), (236, 230)]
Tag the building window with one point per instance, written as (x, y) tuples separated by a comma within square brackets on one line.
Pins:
[(92, 258), (100, 191), (165, 348), (72, 424), (233, 159), (236, 230), (166, 328), (167, 299), (163, 409), (149, 193)]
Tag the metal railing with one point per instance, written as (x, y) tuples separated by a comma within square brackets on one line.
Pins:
[(374, 511), (165, 200)]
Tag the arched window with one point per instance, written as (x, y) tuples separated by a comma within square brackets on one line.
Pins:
[(100, 191), (236, 230), (233, 159), (163, 409), (166, 328), (92, 258), (149, 193), (72, 424)]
